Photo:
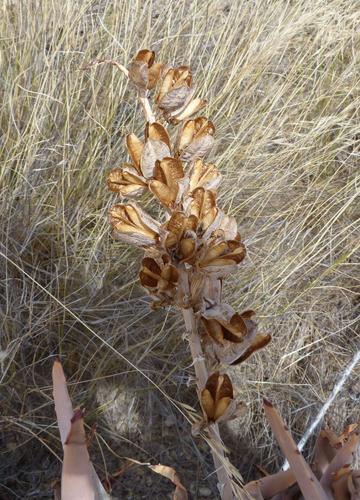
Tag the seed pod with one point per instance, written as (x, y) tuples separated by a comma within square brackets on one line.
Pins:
[(175, 95), (204, 176), (203, 207), (217, 396), (181, 236), (145, 154), (143, 72), (158, 276), (222, 324), (176, 89), (167, 174), (126, 181), (221, 258), (132, 225), (196, 139)]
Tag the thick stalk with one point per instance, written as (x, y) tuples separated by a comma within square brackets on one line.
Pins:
[(217, 450), (201, 378)]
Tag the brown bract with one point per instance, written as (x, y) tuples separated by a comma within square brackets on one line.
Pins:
[(196, 138), (143, 71), (175, 98), (217, 396), (132, 225), (165, 185)]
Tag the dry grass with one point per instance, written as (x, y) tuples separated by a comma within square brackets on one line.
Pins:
[(282, 79)]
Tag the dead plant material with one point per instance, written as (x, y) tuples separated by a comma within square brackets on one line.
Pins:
[(193, 246), (78, 478), (330, 477)]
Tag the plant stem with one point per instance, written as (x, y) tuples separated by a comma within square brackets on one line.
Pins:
[(201, 378), (149, 115), (148, 112)]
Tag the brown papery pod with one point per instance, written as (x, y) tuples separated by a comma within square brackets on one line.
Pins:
[(157, 132), (222, 323), (132, 225), (158, 276), (227, 341), (143, 71), (221, 258), (204, 176), (126, 181), (145, 154), (165, 185), (177, 225), (196, 139), (203, 207), (176, 90), (217, 396), (181, 239)]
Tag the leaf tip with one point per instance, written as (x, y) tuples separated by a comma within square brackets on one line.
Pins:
[(267, 403), (78, 415)]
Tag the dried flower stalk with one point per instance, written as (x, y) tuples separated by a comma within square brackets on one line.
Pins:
[(195, 246)]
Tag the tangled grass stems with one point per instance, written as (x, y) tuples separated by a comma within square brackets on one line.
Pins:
[(289, 154)]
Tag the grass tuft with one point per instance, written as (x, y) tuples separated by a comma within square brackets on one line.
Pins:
[(282, 81)]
